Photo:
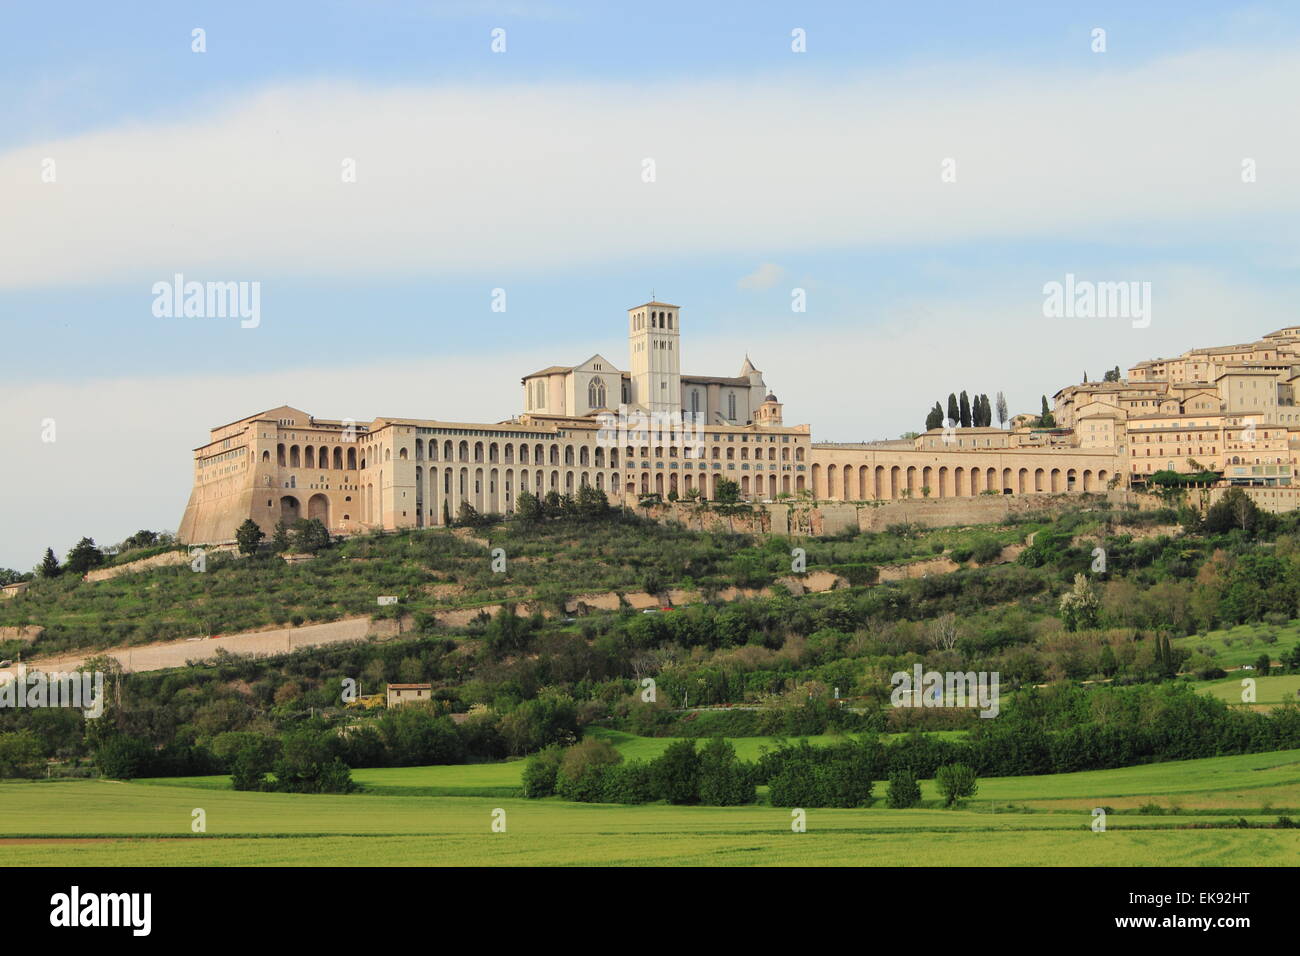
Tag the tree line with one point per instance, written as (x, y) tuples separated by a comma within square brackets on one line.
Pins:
[(965, 412)]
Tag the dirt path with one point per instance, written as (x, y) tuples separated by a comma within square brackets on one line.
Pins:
[(280, 640)]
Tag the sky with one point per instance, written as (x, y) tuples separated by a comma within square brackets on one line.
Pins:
[(917, 173)]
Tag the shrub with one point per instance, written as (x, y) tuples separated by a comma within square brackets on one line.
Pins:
[(723, 780), (123, 758), (676, 773), (904, 792), (581, 774), (540, 772)]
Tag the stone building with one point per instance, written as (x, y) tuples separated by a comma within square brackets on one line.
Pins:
[(655, 430)]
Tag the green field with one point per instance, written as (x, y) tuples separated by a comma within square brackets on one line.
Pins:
[(1243, 644), (1269, 691), (1031, 821)]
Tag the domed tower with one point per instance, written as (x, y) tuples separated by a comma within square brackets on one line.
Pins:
[(769, 412)]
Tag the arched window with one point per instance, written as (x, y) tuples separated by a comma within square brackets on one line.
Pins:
[(731, 406), (596, 394), (695, 401)]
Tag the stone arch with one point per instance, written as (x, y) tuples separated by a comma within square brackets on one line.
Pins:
[(290, 510), (318, 506)]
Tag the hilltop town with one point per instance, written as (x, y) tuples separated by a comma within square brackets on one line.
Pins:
[(1220, 416)]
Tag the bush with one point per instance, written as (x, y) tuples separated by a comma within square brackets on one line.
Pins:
[(631, 782), (723, 780), (676, 773), (540, 772), (123, 758), (904, 792), (20, 754), (840, 775), (581, 773), (307, 764)]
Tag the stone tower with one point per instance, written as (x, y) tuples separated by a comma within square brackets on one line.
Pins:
[(654, 341)]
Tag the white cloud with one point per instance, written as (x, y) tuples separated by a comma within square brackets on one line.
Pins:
[(764, 277), (453, 180)]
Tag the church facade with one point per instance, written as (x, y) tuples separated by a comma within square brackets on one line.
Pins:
[(650, 429)]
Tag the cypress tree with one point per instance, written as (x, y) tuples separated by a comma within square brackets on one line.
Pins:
[(49, 566)]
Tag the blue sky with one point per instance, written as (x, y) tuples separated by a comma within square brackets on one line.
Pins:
[(522, 170)]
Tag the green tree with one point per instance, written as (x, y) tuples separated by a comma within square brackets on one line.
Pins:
[(955, 781), (676, 773), (310, 535), (726, 491), (253, 759), (1002, 410), (123, 758), (1046, 419), (590, 502), (49, 566), (280, 541), (934, 419), (963, 406), (904, 792), (1234, 510), (723, 780), (21, 754), (83, 556), (528, 507), (582, 769), (954, 411), (467, 516), (539, 777), (143, 538), (248, 535), (307, 764)]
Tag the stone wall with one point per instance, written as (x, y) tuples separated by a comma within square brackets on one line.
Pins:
[(819, 518)]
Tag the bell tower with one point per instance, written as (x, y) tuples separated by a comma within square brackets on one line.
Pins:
[(654, 343)]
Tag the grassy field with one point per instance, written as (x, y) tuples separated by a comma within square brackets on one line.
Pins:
[(1269, 691), (1030, 821), (1244, 643)]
